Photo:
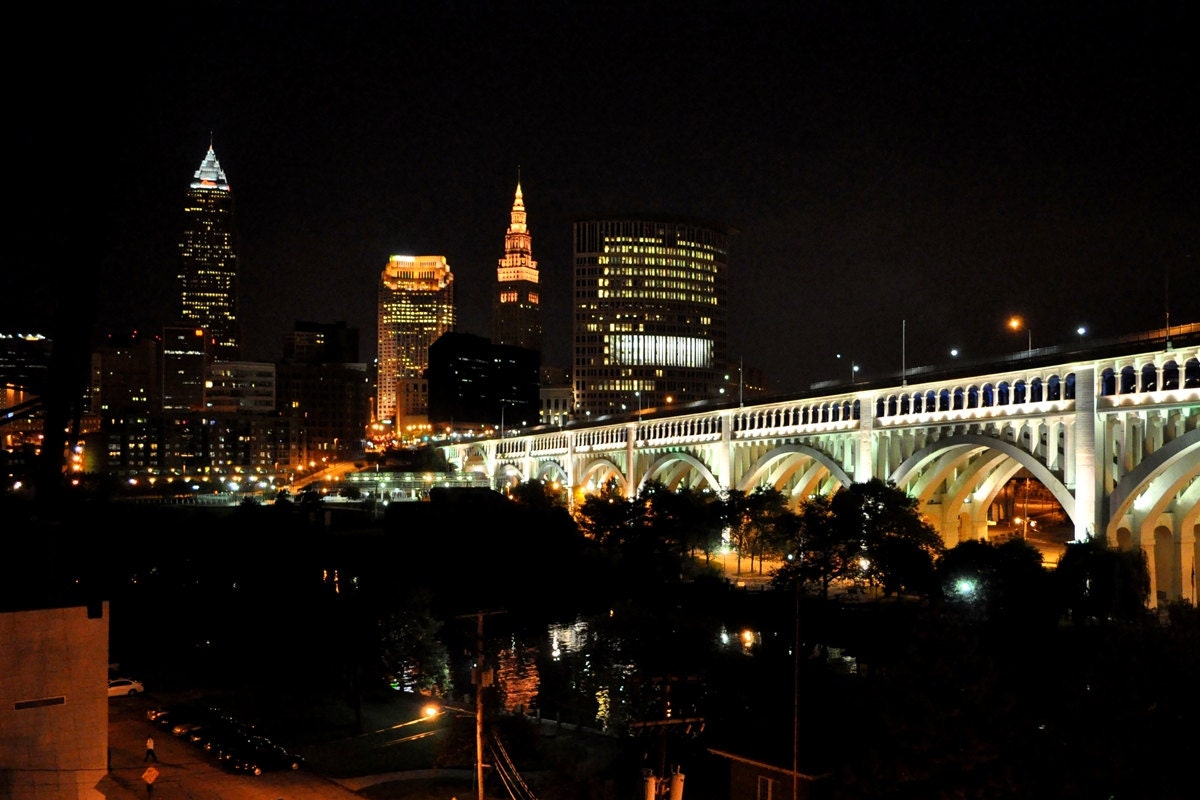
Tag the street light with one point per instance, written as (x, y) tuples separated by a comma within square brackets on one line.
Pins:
[(503, 405), (1016, 323), (854, 368)]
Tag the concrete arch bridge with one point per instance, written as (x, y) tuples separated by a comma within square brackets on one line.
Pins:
[(1114, 438)]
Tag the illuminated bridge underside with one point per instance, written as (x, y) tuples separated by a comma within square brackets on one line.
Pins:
[(1120, 454)]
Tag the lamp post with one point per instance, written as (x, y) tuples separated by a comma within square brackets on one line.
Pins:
[(1016, 323), (854, 367), (503, 405)]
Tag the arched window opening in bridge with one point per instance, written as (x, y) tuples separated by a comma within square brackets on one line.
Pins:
[(880, 408), (1191, 374), (1053, 388), (1149, 378), (930, 401), (891, 405), (1108, 383), (1002, 394), (857, 409), (958, 399), (1128, 380), (973, 397), (944, 400), (1170, 376), (1035, 390), (1019, 393), (906, 405), (989, 395), (1069, 386)]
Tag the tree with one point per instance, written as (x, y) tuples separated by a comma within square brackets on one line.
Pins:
[(1005, 582), (898, 548), (866, 530), (817, 553), (750, 519), (538, 495), (769, 522), (607, 516), (412, 653), (735, 515), (1095, 582)]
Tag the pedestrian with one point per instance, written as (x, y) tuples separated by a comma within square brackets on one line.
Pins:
[(150, 754)]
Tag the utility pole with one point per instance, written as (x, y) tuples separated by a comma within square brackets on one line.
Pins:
[(480, 679), (663, 726)]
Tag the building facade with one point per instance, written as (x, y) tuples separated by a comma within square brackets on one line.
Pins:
[(208, 260), (325, 389), (650, 324), (475, 383), (185, 360), (516, 311), (416, 306)]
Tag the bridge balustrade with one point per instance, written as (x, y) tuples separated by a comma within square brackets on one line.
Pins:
[(1114, 437)]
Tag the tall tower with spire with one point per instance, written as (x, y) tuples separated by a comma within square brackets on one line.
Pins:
[(516, 313), (208, 261)]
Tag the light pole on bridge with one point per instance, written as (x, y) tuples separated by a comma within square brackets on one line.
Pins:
[(1016, 323)]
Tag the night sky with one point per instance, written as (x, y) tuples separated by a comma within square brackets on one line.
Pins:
[(903, 176)]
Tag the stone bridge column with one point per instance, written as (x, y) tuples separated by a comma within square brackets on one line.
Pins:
[(569, 468), (723, 458), (864, 465), (1089, 514), (631, 478)]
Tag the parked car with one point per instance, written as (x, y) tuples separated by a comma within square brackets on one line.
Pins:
[(118, 687), (213, 735), (181, 719), (255, 754)]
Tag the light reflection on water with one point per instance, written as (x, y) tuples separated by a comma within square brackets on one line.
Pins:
[(585, 673)]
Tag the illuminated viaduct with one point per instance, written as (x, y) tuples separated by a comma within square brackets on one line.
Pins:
[(1115, 438)]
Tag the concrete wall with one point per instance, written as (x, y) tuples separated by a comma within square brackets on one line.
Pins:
[(54, 703)]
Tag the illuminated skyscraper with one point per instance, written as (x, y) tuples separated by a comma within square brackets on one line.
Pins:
[(650, 313), (416, 306), (516, 313), (208, 268)]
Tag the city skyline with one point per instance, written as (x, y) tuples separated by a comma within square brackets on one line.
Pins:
[(903, 179)]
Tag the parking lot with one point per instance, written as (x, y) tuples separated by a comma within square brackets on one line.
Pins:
[(184, 771)]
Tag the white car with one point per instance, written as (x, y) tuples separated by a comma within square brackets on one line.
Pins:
[(123, 686)]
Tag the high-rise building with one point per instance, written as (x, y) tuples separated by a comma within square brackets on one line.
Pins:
[(323, 386), (516, 313), (416, 306), (475, 383), (650, 313), (185, 358), (208, 261)]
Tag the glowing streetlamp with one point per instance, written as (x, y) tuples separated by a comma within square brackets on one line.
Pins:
[(854, 368), (1017, 323)]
